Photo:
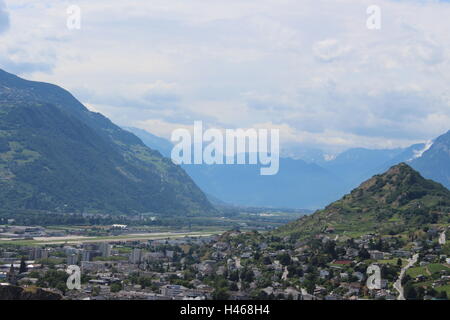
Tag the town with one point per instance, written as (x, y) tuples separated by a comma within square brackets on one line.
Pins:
[(236, 265)]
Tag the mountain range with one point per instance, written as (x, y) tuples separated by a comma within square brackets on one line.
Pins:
[(56, 155), (434, 163), (310, 182)]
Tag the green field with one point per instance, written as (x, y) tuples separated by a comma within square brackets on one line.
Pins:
[(437, 267), (416, 271), (445, 288), (427, 270), (392, 261)]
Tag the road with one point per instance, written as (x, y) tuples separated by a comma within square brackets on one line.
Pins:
[(398, 284)]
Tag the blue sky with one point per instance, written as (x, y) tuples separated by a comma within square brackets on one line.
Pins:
[(310, 68)]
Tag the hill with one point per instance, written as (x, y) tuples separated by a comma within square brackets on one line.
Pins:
[(388, 203), (56, 155)]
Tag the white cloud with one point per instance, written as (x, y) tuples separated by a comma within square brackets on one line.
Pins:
[(311, 68), (329, 50)]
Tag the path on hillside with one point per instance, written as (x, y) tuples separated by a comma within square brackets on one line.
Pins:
[(398, 284)]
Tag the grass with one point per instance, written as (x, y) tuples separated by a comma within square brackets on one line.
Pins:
[(437, 267), (392, 261), (416, 271), (112, 258), (124, 249), (427, 270), (445, 288)]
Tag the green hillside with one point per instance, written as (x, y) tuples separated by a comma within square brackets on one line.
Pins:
[(389, 203), (56, 155)]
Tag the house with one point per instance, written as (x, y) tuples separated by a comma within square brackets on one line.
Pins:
[(221, 246), (319, 290), (401, 253), (323, 274), (358, 275), (352, 253), (170, 290), (376, 255)]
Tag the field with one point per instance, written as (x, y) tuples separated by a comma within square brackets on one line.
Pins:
[(129, 237), (427, 270)]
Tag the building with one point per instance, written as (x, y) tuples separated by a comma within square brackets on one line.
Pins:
[(105, 249), (376, 255), (38, 253), (135, 256), (173, 290), (72, 259), (11, 276), (86, 255)]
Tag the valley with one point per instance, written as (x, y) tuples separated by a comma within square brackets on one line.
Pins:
[(78, 191)]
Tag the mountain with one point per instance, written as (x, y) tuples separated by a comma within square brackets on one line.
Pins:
[(358, 164), (406, 155), (305, 153), (309, 184), (434, 163), (298, 184), (152, 141), (388, 203), (56, 155)]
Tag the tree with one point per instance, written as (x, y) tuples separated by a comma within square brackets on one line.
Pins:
[(285, 259), (442, 295), (220, 294), (267, 260), (116, 287), (309, 286), (364, 254), (233, 286), (95, 291), (23, 266), (410, 292), (247, 275)]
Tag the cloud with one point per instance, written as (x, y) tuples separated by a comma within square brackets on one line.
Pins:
[(329, 50), (312, 69), (4, 17)]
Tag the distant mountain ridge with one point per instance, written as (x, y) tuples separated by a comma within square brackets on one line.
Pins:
[(300, 183), (56, 155), (434, 163)]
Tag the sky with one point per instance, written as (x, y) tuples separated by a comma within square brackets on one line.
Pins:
[(310, 68)]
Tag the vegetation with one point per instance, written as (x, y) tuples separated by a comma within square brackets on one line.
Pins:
[(392, 203), (55, 155)]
